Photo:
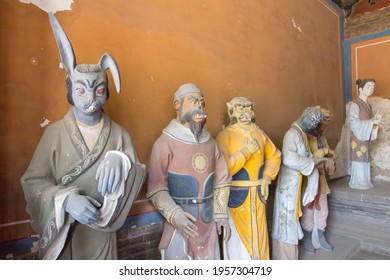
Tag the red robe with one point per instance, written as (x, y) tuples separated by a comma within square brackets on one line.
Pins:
[(175, 152)]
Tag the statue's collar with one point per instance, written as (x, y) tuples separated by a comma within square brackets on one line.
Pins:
[(181, 133), (247, 129)]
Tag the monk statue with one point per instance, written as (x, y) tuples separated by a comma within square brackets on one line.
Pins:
[(189, 182)]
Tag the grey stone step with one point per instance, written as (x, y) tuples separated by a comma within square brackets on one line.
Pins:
[(344, 249), (363, 215), (367, 255)]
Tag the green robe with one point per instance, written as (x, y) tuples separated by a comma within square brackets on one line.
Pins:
[(62, 160)]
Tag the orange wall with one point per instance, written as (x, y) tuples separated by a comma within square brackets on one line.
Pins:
[(285, 55), (370, 59)]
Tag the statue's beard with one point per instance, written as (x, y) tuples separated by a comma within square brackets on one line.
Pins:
[(195, 127), (313, 132)]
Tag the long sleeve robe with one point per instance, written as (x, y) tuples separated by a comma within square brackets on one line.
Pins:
[(246, 209), (189, 170), (362, 133), (62, 163), (297, 161)]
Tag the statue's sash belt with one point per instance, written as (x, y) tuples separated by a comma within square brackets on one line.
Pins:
[(192, 200), (247, 183)]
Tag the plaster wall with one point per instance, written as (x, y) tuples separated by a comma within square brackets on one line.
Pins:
[(370, 59), (285, 55)]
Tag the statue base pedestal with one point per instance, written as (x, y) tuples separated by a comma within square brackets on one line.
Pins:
[(358, 222)]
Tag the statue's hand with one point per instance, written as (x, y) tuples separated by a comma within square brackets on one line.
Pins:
[(377, 120), (330, 167), (251, 144), (264, 189), (109, 174), (184, 223), (223, 223), (82, 208)]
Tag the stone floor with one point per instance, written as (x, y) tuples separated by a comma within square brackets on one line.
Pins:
[(344, 249), (358, 223), (366, 255)]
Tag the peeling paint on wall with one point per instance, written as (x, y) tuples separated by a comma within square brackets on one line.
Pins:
[(296, 25), (45, 122), (50, 6)]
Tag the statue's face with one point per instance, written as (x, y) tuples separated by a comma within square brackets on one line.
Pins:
[(311, 121), (89, 92), (241, 111), (193, 105), (368, 89), (191, 113)]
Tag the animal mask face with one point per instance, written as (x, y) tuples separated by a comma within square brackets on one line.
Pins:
[(89, 91), (310, 118), (240, 110), (87, 86)]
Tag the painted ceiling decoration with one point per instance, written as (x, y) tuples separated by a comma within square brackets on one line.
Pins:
[(356, 7)]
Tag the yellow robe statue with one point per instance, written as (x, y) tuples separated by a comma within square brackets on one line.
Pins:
[(249, 167)]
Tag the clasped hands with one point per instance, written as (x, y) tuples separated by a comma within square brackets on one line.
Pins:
[(330, 165), (85, 209)]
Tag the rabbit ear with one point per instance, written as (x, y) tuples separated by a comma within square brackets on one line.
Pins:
[(66, 51), (108, 62)]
